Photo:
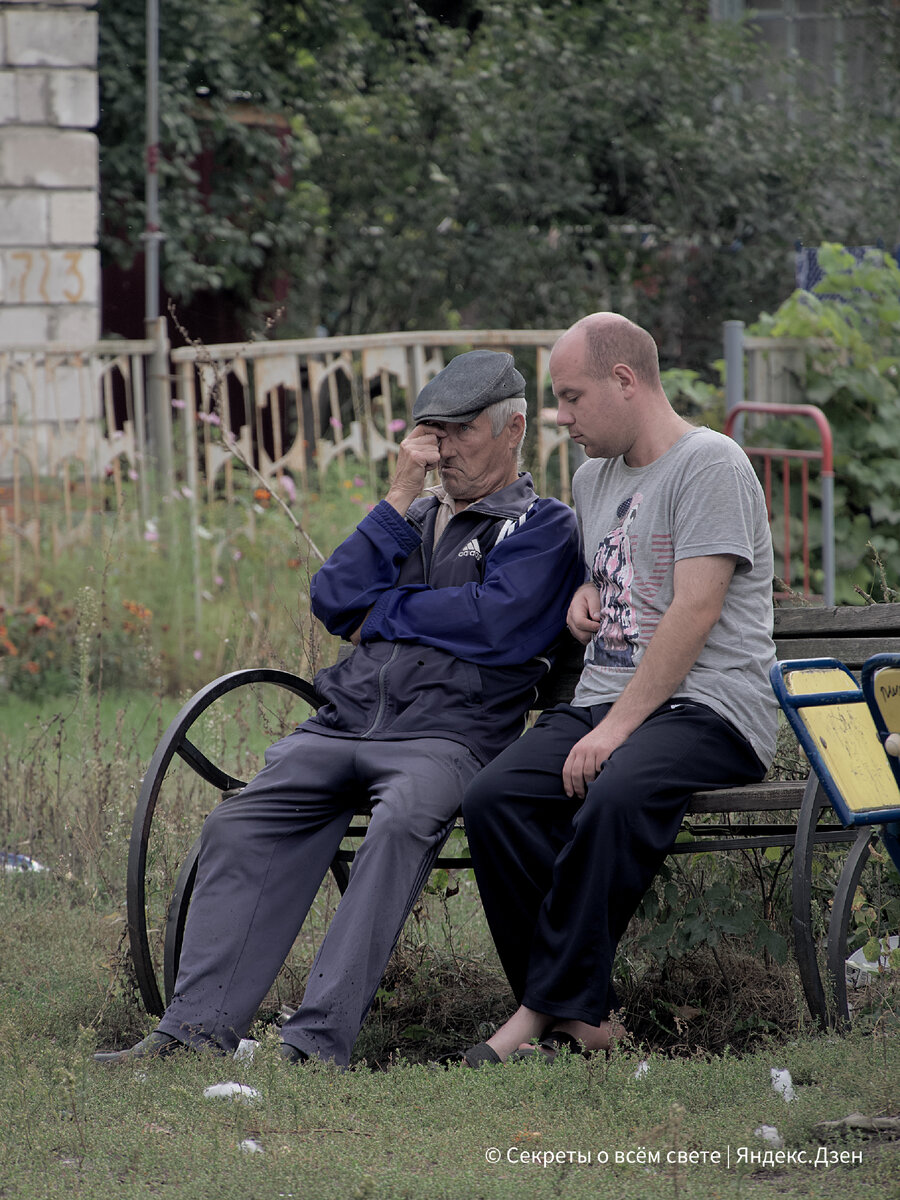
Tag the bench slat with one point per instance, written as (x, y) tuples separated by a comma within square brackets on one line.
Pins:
[(852, 651), (777, 795), (876, 620)]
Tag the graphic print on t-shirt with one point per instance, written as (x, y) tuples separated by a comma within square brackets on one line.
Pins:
[(612, 574)]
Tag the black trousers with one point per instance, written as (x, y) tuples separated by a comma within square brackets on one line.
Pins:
[(561, 877)]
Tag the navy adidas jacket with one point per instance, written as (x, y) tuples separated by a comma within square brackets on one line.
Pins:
[(458, 636)]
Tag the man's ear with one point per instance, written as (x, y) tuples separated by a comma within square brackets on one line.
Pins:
[(625, 376), (517, 424)]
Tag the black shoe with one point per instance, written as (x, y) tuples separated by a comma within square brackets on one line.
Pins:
[(155, 1045), (292, 1054)]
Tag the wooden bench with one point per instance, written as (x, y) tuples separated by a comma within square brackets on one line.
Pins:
[(775, 813)]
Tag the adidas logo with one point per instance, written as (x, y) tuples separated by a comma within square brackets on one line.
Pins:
[(470, 550)]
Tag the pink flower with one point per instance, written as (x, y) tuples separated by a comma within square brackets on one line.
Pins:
[(335, 423), (198, 654), (219, 581), (210, 418), (132, 475), (150, 535), (178, 404), (397, 425), (289, 488), (358, 481)]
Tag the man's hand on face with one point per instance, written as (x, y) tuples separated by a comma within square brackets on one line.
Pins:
[(419, 453)]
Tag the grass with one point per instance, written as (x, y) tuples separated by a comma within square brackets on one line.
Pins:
[(406, 1130)]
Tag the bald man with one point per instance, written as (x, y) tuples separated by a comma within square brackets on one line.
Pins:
[(569, 825)]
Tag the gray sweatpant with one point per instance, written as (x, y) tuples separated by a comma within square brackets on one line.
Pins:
[(263, 856)]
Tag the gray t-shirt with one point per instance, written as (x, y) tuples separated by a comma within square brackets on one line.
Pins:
[(702, 497)]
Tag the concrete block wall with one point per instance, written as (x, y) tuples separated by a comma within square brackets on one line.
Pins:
[(49, 172)]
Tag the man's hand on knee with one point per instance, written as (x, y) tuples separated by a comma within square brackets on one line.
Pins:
[(586, 759)]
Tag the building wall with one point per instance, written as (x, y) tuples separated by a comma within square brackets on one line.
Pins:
[(49, 173)]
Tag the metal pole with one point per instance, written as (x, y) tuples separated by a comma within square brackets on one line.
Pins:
[(828, 538), (160, 422), (151, 181), (733, 338)]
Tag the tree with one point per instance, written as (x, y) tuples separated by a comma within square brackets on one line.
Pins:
[(507, 163), (237, 209)]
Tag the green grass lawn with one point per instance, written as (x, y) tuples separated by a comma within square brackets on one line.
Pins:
[(684, 1127)]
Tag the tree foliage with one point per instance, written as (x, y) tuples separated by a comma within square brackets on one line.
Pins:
[(504, 163)]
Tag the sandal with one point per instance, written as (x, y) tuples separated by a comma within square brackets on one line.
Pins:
[(549, 1046), (480, 1056)]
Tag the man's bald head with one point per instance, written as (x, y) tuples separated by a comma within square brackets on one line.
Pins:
[(610, 338)]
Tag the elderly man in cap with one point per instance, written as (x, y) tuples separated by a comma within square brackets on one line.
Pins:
[(453, 601)]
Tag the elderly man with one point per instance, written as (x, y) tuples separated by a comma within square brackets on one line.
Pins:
[(568, 827), (453, 602)]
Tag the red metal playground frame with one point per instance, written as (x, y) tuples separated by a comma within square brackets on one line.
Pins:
[(825, 456)]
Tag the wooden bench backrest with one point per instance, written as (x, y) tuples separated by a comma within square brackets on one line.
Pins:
[(849, 633)]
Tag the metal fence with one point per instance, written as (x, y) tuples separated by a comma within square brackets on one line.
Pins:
[(297, 407), (77, 427), (72, 441)]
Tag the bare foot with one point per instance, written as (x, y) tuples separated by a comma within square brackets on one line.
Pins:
[(591, 1038), (522, 1027)]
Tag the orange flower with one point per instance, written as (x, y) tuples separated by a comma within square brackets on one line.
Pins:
[(32, 668), (42, 622), (137, 610)]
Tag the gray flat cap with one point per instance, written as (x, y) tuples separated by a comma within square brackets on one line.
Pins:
[(468, 384)]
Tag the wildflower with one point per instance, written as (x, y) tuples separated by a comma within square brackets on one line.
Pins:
[(209, 418), (32, 668), (358, 481), (262, 496), (133, 475), (186, 492), (237, 556), (137, 610), (219, 581), (178, 404), (198, 654), (43, 622), (335, 423), (293, 562), (289, 488), (397, 425)]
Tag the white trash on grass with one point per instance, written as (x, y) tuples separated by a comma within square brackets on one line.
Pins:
[(769, 1134), (859, 971), (782, 1082), (231, 1091), (10, 861), (251, 1146), (245, 1051)]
